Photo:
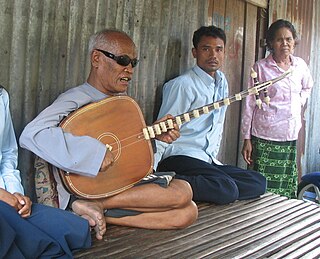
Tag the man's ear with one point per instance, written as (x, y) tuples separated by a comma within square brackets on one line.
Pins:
[(95, 57), (194, 52)]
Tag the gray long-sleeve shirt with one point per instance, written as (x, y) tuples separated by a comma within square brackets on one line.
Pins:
[(79, 154)]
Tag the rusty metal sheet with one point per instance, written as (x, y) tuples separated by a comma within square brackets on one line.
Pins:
[(304, 15)]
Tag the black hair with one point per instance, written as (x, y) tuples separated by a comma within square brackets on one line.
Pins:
[(211, 31), (274, 27)]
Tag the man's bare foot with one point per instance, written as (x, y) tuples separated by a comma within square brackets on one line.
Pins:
[(93, 212)]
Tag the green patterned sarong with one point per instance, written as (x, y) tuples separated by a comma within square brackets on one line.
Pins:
[(277, 162)]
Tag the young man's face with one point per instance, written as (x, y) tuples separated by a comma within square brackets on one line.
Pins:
[(209, 54)]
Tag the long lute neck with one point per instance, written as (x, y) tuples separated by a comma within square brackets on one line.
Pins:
[(156, 129)]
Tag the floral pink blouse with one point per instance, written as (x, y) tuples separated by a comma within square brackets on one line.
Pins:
[(281, 120)]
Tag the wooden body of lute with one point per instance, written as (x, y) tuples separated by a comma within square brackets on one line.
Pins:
[(118, 122)]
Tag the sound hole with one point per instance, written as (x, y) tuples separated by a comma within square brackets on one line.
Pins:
[(113, 141)]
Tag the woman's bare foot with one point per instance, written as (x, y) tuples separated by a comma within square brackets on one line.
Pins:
[(93, 212)]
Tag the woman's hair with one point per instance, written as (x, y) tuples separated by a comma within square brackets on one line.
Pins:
[(274, 27)]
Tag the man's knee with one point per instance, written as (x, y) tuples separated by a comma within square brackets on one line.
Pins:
[(221, 193), (182, 192), (185, 217), (257, 184), (261, 185), (225, 197)]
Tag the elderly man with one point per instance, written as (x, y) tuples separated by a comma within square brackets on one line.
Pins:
[(113, 58)]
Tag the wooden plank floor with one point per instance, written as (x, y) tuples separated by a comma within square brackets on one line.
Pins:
[(268, 227)]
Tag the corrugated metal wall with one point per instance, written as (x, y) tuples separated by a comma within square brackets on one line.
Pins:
[(239, 20), (304, 14), (43, 50)]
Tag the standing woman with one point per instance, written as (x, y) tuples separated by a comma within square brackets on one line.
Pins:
[(271, 131), (31, 230)]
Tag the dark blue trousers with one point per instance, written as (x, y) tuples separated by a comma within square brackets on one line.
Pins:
[(220, 184), (47, 233)]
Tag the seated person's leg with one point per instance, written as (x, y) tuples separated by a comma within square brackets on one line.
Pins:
[(30, 239), (8, 247), (251, 184), (208, 183), (70, 231), (161, 207)]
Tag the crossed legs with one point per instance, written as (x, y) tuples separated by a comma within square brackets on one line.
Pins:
[(161, 208)]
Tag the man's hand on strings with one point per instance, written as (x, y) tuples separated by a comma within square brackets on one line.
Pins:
[(171, 134), (107, 161)]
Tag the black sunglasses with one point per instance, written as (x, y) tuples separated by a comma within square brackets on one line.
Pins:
[(123, 60)]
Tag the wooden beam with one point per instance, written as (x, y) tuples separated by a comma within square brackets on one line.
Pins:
[(259, 3)]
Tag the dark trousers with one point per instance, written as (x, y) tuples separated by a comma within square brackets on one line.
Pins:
[(220, 184), (47, 233)]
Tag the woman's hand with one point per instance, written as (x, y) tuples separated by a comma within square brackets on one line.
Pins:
[(247, 151)]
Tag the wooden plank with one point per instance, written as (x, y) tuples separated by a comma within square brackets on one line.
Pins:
[(259, 3), (309, 251), (267, 238), (240, 234), (234, 29), (249, 41), (253, 228), (303, 237), (160, 244), (314, 254)]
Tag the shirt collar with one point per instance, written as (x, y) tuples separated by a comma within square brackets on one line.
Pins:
[(101, 93), (205, 77), (272, 62)]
